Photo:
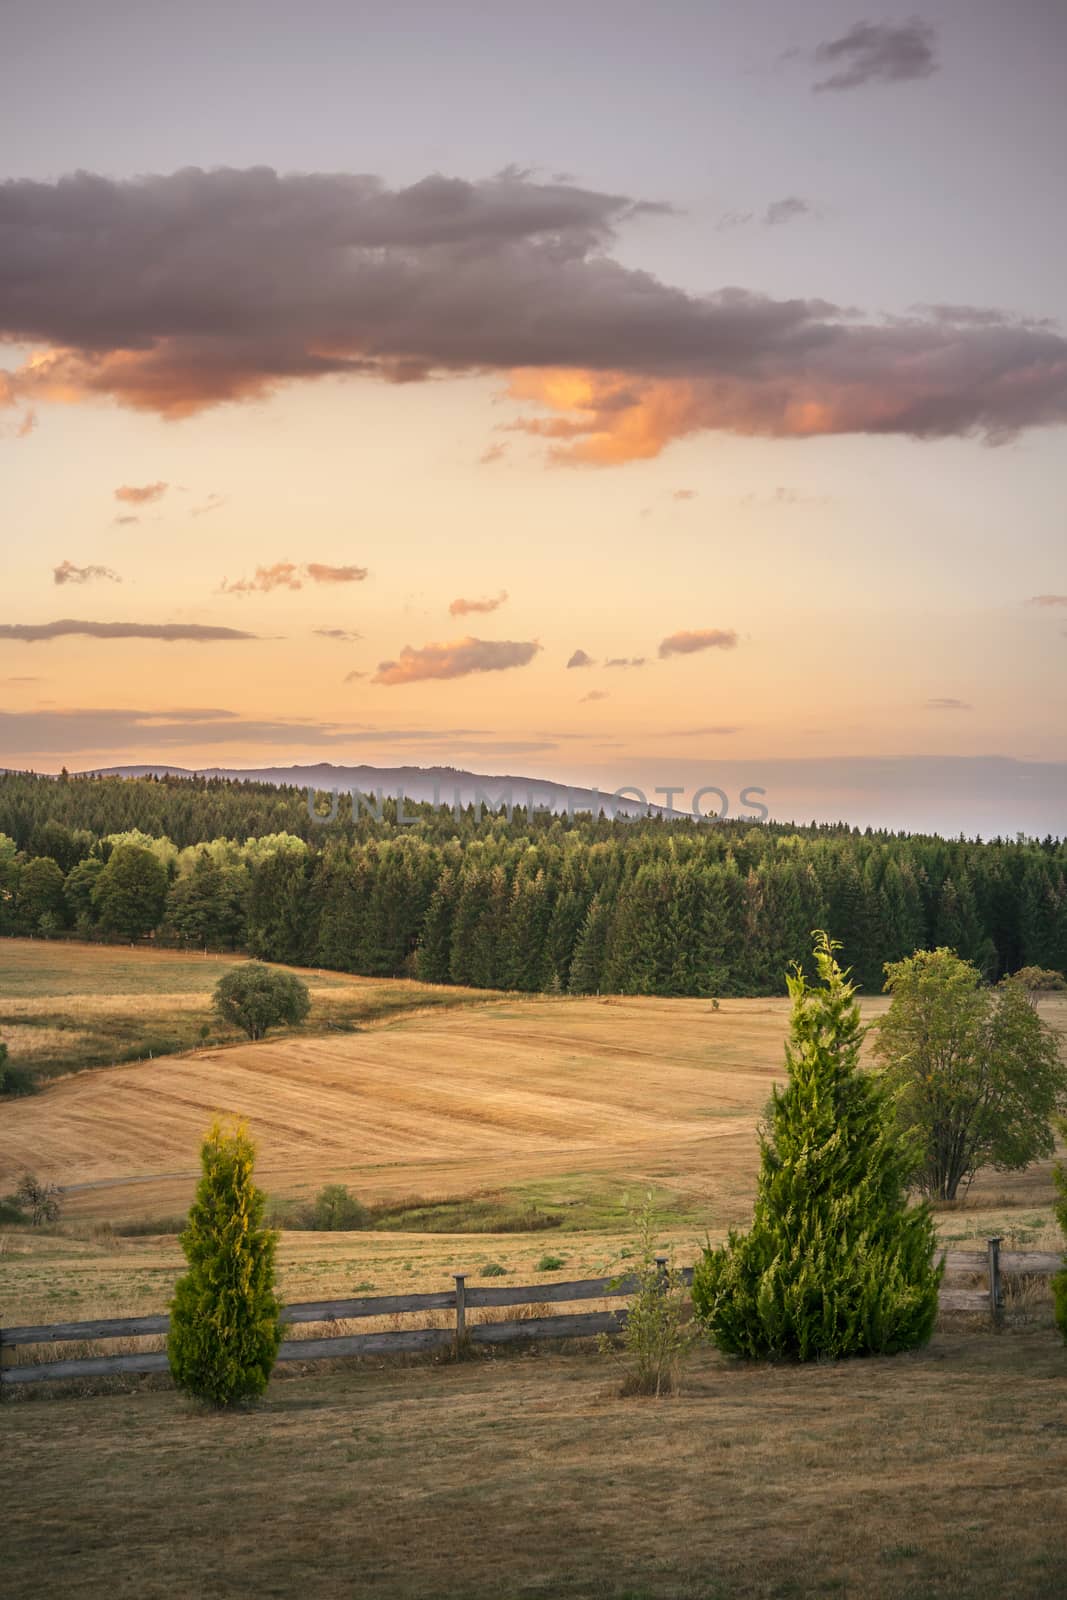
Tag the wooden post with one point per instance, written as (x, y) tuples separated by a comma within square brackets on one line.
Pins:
[(661, 1263), (993, 1246), (461, 1309)]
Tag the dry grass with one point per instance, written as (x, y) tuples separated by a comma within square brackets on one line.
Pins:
[(66, 1006), (935, 1475)]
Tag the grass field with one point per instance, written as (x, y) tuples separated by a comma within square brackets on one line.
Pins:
[(66, 1006), (924, 1477), (932, 1475)]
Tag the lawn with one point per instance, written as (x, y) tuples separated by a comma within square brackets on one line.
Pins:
[(937, 1474)]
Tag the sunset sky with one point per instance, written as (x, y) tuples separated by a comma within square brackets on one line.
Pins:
[(615, 393)]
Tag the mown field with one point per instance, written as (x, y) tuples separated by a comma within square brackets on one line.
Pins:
[(506, 1134)]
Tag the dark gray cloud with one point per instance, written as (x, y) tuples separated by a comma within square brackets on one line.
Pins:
[(200, 633), (877, 52), (580, 659), (941, 702), (594, 694), (456, 660), (56, 732), (218, 286), (689, 640), (344, 635), (785, 210), (67, 572), (626, 661)]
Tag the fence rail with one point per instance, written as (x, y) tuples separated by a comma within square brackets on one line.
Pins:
[(461, 1299)]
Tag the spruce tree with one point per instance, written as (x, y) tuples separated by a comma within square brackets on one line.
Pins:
[(836, 1262), (224, 1329)]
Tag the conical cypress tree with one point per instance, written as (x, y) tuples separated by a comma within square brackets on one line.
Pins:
[(224, 1331), (836, 1262)]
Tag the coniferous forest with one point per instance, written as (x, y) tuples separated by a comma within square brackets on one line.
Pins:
[(539, 902)]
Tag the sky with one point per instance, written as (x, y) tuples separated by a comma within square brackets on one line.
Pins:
[(609, 393)]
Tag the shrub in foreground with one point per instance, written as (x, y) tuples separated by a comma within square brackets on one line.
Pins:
[(224, 1328), (657, 1333), (836, 1262)]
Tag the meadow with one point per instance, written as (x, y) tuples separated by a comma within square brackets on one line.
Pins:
[(501, 1133)]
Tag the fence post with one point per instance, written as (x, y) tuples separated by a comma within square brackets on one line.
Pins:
[(461, 1309), (993, 1247), (661, 1265)]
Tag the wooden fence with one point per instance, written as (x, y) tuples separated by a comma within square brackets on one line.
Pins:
[(463, 1298)]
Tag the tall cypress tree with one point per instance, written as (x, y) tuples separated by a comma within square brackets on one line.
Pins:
[(224, 1329), (836, 1262)]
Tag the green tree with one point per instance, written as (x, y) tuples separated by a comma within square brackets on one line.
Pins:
[(206, 905), (224, 1318), (130, 893), (78, 887), (836, 1262), (40, 895), (336, 1210), (976, 1072), (253, 997)]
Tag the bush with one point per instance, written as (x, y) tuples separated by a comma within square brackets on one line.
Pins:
[(836, 1263), (253, 997), (224, 1328), (1041, 980), (14, 1080), (550, 1264), (40, 1200), (336, 1210), (656, 1336), (493, 1269)]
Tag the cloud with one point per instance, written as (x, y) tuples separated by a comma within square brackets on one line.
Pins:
[(462, 608), (35, 632), (594, 694), (626, 661), (212, 503), (786, 210), (287, 575), (716, 731), (132, 494), (124, 522), (1048, 600), (684, 494), (580, 659), (690, 640), (872, 52), (188, 309), (26, 425), (350, 677), (491, 453), (58, 732), (456, 660), (319, 572), (946, 703), (67, 572), (344, 635)]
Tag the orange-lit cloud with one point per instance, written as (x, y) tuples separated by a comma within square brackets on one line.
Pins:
[(689, 640), (463, 608), (132, 494), (1049, 600), (287, 575), (67, 572), (507, 276), (456, 660)]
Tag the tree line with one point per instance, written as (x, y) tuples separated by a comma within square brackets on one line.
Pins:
[(532, 902)]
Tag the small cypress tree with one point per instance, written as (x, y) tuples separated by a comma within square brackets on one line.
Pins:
[(224, 1329), (836, 1262)]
